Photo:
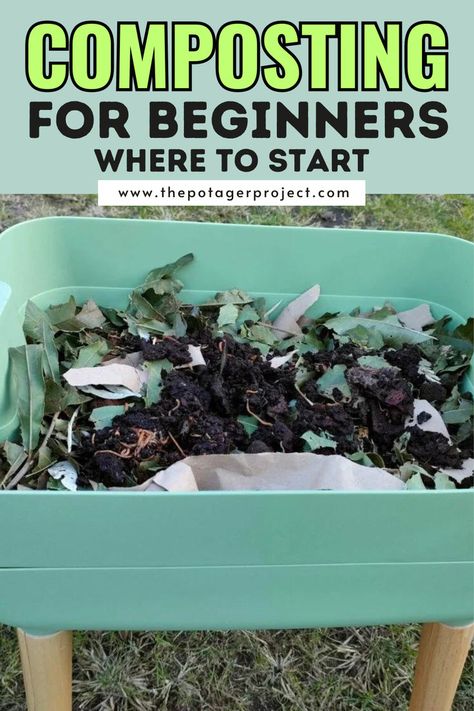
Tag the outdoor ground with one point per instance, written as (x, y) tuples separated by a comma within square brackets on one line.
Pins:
[(366, 669)]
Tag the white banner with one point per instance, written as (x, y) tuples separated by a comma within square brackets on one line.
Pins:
[(231, 192)]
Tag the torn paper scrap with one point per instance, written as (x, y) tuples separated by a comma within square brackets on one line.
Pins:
[(197, 357), (278, 361), (434, 423), (416, 318), (465, 471), (66, 473)]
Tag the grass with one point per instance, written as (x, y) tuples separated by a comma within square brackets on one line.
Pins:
[(367, 669)]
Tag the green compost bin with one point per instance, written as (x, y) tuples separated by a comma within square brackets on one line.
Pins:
[(220, 560)]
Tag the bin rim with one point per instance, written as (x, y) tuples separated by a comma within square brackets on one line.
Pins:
[(97, 218), (243, 492)]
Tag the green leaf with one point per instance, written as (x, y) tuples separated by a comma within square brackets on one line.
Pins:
[(415, 482), (140, 327), (464, 431), (179, 327), (465, 331), (161, 279), (228, 315), (376, 459), (91, 355), (27, 365), (45, 460), (442, 481), (386, 312), (113, 317), (155, 379), (367, 337), (248, 315), (38, 329), (408, 469), (334, 378), (360, 458), (58, 397), (318, 441), (391, 332), (32, 324), (62, 312), (249, 423), (103, 416), (14, 453), (457, 415), (373, 361), (260, 333), (232, 296), (141, 307)]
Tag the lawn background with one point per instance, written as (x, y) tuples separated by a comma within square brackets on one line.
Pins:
[(367, 669)]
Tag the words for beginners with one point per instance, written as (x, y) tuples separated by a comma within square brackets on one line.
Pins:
[(365, 56)]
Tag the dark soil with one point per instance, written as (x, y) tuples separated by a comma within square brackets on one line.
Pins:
[(198, 410)]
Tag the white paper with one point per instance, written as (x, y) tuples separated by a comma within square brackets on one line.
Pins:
[(197, 357), (434, 424), (416, 318), (467, 469), (278, 361), (66, 473), (113, 374)]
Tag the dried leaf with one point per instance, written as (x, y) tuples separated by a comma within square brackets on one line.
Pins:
[(91, 316), (287, 322)]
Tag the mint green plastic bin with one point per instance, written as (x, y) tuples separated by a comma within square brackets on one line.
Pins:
[(230, 560)]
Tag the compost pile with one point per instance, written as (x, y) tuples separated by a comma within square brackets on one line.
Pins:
[(108, 397)]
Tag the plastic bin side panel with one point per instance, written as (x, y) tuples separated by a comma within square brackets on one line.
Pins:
[(236, 597), (234, 528)]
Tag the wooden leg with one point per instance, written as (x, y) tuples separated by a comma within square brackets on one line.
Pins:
[(443, 651), (47, 670)]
